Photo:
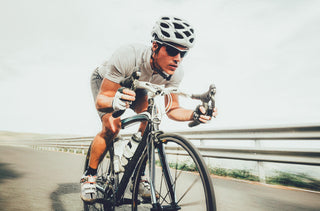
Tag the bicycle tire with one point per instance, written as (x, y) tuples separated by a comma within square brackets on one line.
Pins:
[(105, 167), (185, 153)]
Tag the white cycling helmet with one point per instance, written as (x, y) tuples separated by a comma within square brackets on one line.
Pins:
[(174, 30)]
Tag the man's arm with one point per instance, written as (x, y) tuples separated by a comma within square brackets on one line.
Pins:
[(107, 93), (176, 112)]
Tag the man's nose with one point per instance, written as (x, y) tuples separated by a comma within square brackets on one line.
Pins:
[(177, 58)]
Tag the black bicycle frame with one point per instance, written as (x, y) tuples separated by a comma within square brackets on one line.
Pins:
[(136, 159), (130, 168), (146, 146)]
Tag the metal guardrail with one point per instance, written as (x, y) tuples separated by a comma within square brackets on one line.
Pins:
[(258, 153)]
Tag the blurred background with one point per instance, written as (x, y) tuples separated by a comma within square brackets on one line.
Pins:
[(263, 57)]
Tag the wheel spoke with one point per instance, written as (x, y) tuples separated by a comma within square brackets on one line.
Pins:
[(174, 184), (189, 204), (194, 182)]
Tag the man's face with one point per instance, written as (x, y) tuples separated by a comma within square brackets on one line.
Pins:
[(166, 62)]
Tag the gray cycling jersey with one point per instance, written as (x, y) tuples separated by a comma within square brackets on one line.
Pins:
[(124, 61)]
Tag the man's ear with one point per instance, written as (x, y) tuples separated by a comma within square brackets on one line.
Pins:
[(155, 46)]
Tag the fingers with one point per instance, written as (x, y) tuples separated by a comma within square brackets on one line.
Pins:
[(202, 109), (122, 104), (204, 118), (128, 94), (215, 112), (123, 99)]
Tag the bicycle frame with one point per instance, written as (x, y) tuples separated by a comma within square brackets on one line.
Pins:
[(147, 145)]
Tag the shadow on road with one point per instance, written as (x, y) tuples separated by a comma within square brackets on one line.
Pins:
[(6, 172), (60, 194)]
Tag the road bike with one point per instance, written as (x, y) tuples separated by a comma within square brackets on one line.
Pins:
[(177, 173)]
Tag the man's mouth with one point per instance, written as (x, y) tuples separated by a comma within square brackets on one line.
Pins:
[(173, 67)]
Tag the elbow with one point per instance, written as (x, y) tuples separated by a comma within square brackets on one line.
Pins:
[(99, 107), (98, 103), (103, 106)]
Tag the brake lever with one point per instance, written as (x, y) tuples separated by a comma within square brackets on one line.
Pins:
[(129, 82), (212, 92)]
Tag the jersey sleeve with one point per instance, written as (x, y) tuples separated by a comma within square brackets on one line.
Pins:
[(121, 64)]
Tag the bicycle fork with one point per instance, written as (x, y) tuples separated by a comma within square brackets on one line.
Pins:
[(156, 205), (151, 160)]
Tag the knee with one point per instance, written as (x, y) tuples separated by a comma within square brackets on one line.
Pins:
[(111, 126)]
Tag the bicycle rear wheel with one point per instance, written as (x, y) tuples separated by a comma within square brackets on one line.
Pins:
[(181, 181), (105, 172)]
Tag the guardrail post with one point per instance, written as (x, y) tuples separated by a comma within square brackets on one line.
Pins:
[(202, 143), (262, 175)]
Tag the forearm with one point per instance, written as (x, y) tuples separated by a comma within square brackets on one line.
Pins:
[(104, 103), (180, 114)]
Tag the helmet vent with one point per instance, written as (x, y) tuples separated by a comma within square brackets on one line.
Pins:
[(164, 25), (191, 30), (165, 18), (177, 19), (179, 36), (191, 40), (186, 24), (165, 33), (187, 33), (178, 26)]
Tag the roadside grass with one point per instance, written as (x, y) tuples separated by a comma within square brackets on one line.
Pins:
[(234, 173), (294, 180)]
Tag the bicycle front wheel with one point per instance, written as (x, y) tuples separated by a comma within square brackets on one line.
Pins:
[(182, 181)]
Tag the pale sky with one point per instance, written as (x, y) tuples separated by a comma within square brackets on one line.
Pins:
[(263, 56)]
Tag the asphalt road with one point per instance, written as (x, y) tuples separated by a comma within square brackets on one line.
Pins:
[(42, 180)]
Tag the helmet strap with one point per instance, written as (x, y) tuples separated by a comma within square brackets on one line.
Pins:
[(159, 70)]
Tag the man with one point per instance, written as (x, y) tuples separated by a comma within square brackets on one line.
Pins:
[(172, 38)]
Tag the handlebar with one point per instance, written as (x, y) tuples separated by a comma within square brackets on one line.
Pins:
[(207, 98)]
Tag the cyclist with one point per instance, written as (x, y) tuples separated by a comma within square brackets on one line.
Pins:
[(158, 64)]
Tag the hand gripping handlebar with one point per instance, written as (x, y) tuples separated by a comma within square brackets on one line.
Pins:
[(128, 83), (208, 102)]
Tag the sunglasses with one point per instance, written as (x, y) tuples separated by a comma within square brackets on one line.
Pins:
[(172, 50)]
